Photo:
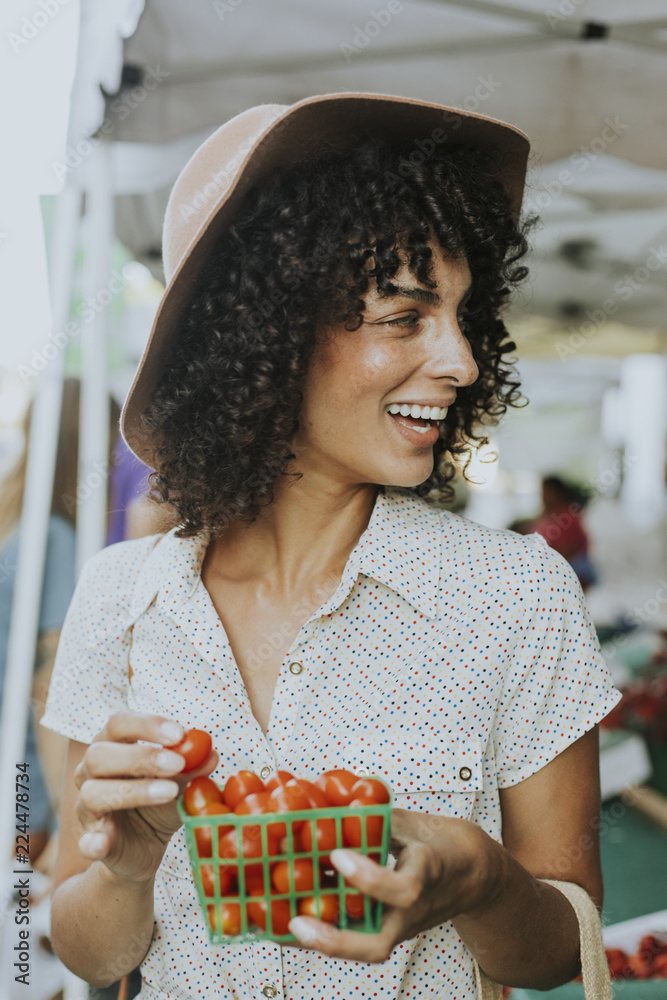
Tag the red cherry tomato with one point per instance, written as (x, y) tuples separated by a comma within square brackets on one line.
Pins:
[(314, 794), (297, 875), (280, 914), (297, 845), (251, 847), (352, 828), (290, 797), (370, 791), (354, 905), (229, 919), (337, 786), (325, 837), (195, 747), (328, 908), (239, 785), (203, 836), (258, 803), (225, 879), (198, 793), (277, 778), (254, 882), (659, 967)]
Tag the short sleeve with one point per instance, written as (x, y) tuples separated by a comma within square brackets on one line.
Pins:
[(89, 680), (558, 685), (59, 574)]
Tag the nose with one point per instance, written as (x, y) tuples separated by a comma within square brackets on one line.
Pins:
[(450, 354)]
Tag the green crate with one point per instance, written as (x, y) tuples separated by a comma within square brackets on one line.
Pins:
[(370, 924)]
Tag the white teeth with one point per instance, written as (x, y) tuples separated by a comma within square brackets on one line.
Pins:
[(414, 410)]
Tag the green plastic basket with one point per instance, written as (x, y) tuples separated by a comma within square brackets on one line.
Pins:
[(324, 885)]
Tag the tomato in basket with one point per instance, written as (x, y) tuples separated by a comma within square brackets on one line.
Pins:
[(337, 786), (328, 908), (199, 793), (280, 913), (239, 785), (231, 918), (203, 835)]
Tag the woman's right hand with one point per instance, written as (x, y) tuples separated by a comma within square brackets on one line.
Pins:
[(127, 793)]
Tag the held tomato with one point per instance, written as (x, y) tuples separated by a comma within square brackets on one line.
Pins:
[(328, 908), (370, 791), (195, 747), (280, 914), (198, 793), (240, 785), (230, 914), (203, 835), (337, 786), (297, 875), (352, 828)]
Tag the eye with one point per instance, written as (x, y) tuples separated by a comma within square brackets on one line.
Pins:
[(410, 320)]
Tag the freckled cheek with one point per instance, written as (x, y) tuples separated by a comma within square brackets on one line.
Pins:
[(378, 369)]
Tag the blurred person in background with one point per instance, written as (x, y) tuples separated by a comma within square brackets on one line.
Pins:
[(560, 523), (57, 589), (129, 516)]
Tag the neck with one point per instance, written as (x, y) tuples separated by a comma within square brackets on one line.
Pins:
[(307, 533)]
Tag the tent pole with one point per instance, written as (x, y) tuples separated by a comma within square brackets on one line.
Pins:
[(35, 513), (99, 288)]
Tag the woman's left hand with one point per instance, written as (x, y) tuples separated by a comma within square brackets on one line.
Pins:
[(444, 867)]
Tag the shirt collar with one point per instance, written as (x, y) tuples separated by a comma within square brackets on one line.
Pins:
[(401, 547)]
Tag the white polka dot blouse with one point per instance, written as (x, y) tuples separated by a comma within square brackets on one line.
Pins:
[(452, 660)]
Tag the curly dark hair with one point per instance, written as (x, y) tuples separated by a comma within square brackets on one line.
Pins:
[(295, 262)]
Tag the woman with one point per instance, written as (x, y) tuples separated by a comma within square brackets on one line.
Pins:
[(329, 340)]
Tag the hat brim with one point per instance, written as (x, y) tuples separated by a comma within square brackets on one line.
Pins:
[(309, 128)]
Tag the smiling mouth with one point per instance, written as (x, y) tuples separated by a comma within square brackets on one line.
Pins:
[(417, 423)]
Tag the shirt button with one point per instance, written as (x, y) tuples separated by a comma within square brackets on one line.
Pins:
[(264, 773), (362, 772), (296, 668), (465, 774), (270, 990)]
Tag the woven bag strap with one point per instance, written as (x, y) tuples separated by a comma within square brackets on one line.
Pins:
[(594, 968)]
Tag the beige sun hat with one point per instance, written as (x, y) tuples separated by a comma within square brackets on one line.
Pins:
[(246, 150)]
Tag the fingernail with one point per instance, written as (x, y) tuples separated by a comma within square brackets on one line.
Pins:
[(168, 761), (303, 930), (344, 862), (162, 791), (171, 732), (92, 843)]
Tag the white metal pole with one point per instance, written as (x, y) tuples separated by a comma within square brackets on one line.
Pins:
[(98, 292), (33, 529)]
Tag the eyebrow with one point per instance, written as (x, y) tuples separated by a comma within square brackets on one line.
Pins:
[(423, 294)]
